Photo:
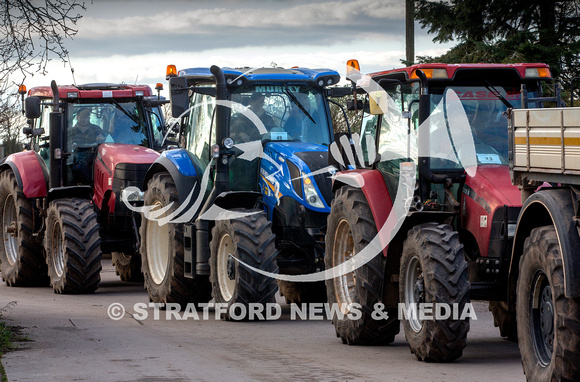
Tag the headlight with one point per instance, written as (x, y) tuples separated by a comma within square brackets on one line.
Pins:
[(310, 194), (132, 194), (228, 143)]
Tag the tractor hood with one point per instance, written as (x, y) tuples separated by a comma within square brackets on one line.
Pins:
[(111, 154), (304, 158), (118, 166), (493, 187)]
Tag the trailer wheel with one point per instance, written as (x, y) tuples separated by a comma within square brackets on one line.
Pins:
[(73, 246), (127, 267), (504, 320), (162, 251), (21, 260), (250, 240), (549, 322), (434, 271), (350, 229)]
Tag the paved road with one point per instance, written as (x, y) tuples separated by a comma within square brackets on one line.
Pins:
[(73, 339)]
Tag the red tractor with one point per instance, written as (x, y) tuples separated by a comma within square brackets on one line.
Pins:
[(455, 241), (61, 199)]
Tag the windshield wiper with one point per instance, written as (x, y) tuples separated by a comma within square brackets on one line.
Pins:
[(133, 118), (496, 93), (295, 100)]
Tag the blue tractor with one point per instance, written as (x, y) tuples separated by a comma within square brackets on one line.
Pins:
[(254, 145)]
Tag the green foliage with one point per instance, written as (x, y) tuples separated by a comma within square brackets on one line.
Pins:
[(506, 31)]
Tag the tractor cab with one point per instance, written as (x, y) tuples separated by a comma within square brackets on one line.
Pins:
[(417, 96), (91, 115)]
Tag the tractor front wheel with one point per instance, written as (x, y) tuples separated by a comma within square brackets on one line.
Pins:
[(249, 240), (73, 246), (127, 267), (434, 271), (350, 230), (162, 251)]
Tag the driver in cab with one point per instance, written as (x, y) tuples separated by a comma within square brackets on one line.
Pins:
[(84, 132)]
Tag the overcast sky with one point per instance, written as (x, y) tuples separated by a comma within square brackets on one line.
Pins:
[(134, 40)]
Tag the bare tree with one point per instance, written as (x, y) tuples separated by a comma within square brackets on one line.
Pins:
[(11, 123), (32, 32)]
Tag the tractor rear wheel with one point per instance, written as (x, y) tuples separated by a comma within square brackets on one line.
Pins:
[(434, 271), (250, 240), (73, 246), (21, 260), (504, 320), (548, 321), (127, 267), (350, 229), (162, 251)]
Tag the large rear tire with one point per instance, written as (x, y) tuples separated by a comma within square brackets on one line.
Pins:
[(73, 246), (21, 260), (127, 267), (434, 271), (162, 251), (350, 229), (250, 240), (548, 321)]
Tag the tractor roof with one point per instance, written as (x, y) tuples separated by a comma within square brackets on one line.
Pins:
[(438, 71), (94, 90), (264, 74)]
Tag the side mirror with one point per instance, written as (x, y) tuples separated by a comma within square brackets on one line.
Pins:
[(339, 92), (32, 107), (378, 103), (179, 96)]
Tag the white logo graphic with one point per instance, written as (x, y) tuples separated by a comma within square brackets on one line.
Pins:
[(447, 125)]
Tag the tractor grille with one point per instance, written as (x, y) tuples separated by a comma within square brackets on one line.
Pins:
[(127, 174)]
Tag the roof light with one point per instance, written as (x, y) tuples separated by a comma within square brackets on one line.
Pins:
[(138, 93), (537, 73), (72, 95), (431, 73), (159, 86), (171, 72), (329, 81), (321, 82), (351, 66), (22, 89)]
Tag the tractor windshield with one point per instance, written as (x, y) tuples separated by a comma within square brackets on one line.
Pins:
[(115, 122), (485, 108), (288, 112)]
